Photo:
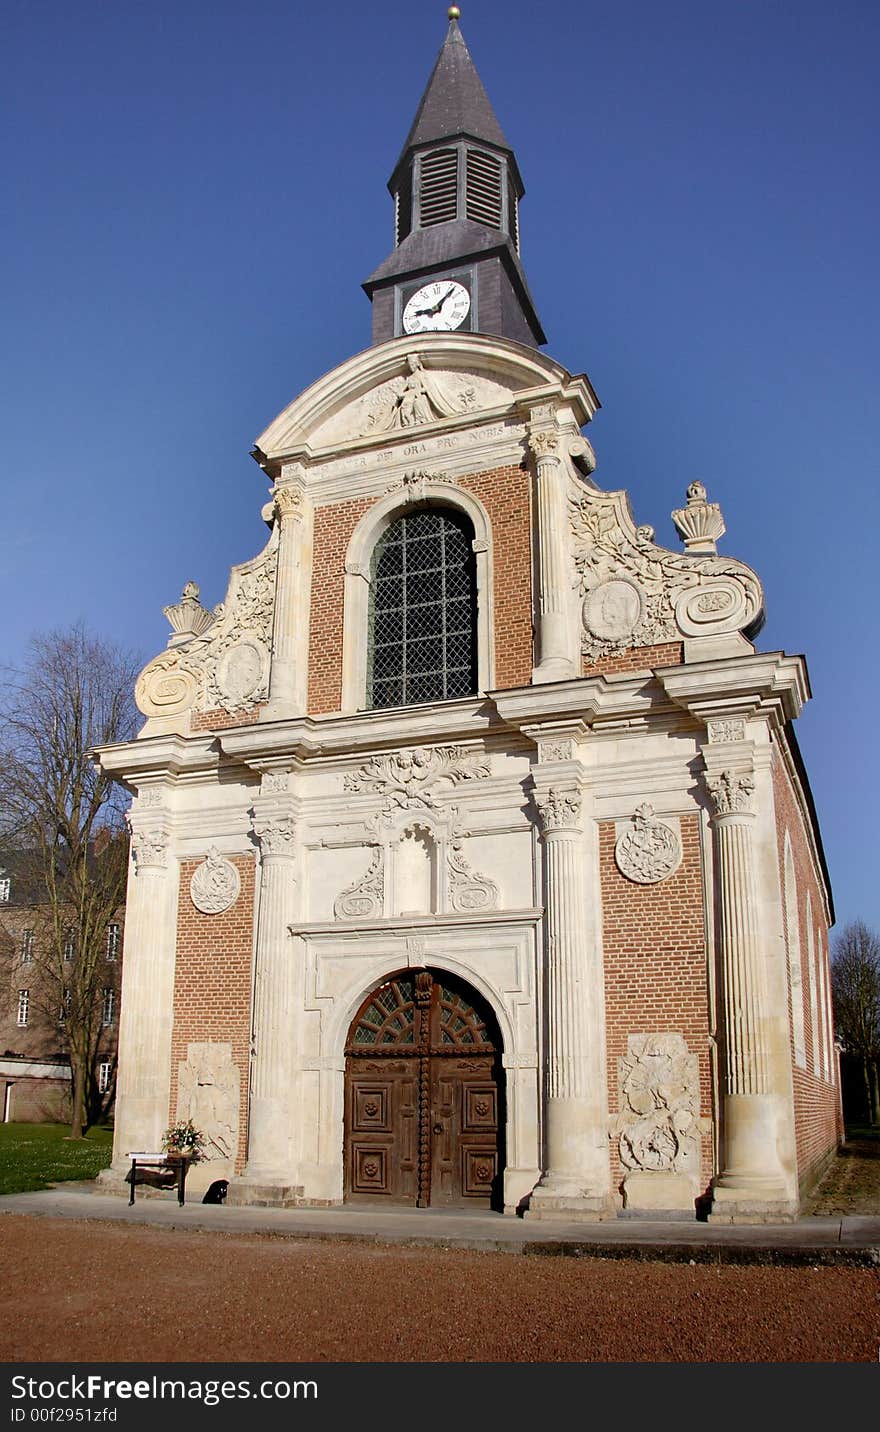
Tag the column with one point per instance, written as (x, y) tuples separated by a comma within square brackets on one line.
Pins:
[(577, 1180), (270, 1110), (554, 648), (751, 1184), (143, 1086), (288, 503)]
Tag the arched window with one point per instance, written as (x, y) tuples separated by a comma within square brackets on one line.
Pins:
[(422, 627)]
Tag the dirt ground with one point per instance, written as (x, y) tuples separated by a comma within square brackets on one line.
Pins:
[(86, 1291)]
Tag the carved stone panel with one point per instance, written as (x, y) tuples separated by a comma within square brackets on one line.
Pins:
[(659, 1105), (365, 898), (215, 884), (208, 1092), (648, 850)]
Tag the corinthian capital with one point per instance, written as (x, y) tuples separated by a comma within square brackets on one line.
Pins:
[(558, 810), (730, 792), (276, 833), (149, 848), (543, 443), (288, 502)]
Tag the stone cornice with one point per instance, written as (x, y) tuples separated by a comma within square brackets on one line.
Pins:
[(346, 931), (157, 756), (765, 682)]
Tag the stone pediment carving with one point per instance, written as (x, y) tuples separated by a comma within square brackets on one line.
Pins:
[(411, 383), (409, 778), (636, 593), (226, 667)]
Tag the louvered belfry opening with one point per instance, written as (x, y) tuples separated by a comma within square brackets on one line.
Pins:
[(438, 187), (456, 182), (483, 188), (423, 627)]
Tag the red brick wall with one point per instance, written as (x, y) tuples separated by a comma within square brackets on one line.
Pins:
[(654, 943), (219, 720), (815, 1100), (505, 493), (637, 658), (212, 981)]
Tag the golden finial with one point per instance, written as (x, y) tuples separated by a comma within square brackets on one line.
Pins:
[(453, 13)]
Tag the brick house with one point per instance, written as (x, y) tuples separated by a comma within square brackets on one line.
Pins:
[(474, 857), (34, 1064)]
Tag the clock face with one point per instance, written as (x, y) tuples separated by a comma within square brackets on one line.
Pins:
[(437, 307)]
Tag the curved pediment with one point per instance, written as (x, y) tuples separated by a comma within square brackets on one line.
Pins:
[(417, 382)]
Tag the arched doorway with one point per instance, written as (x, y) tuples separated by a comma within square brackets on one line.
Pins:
[(424, 1094)]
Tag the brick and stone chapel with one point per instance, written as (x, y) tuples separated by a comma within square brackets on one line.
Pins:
[(473, 858)]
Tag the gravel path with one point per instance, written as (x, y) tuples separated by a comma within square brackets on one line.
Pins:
[(78, 1291)]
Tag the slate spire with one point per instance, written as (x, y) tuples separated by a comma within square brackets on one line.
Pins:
[(454, 102)]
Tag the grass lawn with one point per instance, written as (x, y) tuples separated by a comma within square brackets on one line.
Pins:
[(34, 1155)]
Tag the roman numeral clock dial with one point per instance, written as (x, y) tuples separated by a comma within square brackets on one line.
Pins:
[(437, 307)]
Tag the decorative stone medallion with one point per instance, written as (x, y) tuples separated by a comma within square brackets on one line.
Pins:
[(215, 884), (613, 610), (648, 851)]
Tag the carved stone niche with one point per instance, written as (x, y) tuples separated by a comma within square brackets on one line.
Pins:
[(208, 1090), (658, 1124)]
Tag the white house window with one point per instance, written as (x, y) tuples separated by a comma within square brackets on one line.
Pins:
[(70, 945), (422, 626), (24, 1000), (112, 942), (104, 1071), (107, 1007), (27, 946), (5, 888)]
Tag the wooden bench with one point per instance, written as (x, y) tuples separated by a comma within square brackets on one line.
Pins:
[(160, 1170)]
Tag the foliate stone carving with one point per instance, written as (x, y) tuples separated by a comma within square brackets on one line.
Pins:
[(366, 897), (215, 885), (209, 1086), (700, 523), (722, 732), (276, 834), (149, 848), (417, 397), (648, 851), (188, 617), (414, 485), (544, 442), (635, 593), (274, 782), (287, 502), (730, 791), (415, 949), (558, 810), (150, 798), (226, 666), (658, 1122), (555, 751), (468, 889), (410, 778)]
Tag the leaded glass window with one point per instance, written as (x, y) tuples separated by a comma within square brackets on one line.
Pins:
[(423, 626)]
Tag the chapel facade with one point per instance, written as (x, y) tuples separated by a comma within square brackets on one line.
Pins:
[(474, 861)]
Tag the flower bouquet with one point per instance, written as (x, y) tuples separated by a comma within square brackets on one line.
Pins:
[(185, 1139)]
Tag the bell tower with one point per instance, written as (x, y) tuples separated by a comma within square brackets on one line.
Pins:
[(456, 190)]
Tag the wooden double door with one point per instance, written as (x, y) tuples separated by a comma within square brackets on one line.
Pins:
[(423, 1096)]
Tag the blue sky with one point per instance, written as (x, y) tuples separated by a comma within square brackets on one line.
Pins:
[(195, 191)]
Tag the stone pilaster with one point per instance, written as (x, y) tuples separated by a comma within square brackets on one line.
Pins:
[(283, 693), (576, 1182), (751, 1184), (268, 1176), (143, 1086), (554, 648)]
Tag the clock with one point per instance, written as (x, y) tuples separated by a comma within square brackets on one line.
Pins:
[(437, 307)]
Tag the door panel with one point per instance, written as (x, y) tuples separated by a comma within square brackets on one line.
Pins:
[(444, 1042)]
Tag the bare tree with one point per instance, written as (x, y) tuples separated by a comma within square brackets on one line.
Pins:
[(855, 985), (65, 819)]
